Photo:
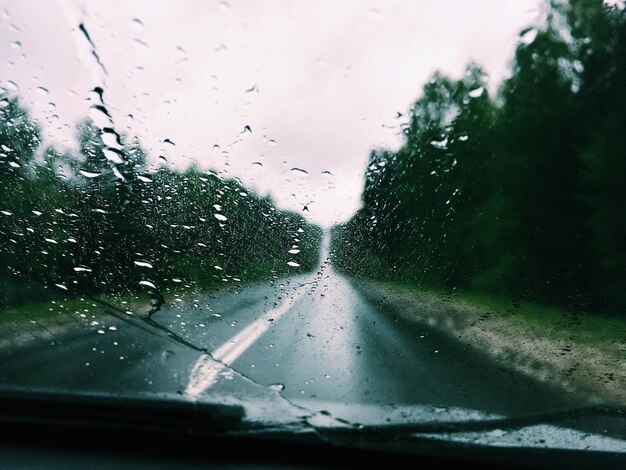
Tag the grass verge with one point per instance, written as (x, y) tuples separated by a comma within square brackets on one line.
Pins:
[(50, 319)]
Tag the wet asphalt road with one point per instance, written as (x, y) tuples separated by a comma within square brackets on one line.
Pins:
[(317, 338)]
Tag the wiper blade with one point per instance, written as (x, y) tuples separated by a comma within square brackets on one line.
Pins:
[(481, 425)]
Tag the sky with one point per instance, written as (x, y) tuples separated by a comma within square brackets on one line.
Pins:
[(257, 90)]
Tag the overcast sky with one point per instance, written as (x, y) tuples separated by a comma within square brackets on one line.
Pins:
[(319, 83)]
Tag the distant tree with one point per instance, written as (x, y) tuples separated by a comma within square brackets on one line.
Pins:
[(522, 195)]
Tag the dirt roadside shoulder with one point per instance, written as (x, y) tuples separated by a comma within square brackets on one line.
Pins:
[(577, 362)]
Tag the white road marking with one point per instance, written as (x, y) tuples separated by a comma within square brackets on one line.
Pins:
[(206, 369)]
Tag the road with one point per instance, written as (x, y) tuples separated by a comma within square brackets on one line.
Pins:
[(316, 339)]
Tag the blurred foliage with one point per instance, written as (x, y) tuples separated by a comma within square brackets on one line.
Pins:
[(100, 221), (522, 193)]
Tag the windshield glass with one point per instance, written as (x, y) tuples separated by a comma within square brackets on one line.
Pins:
[(366, 213)]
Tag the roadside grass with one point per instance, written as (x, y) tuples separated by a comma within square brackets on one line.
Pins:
[(43, 321), (559, 324), (56, 310), (584, 353), (45, 310)]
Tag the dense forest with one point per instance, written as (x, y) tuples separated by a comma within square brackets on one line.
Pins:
[(102, 220), (521, 193)]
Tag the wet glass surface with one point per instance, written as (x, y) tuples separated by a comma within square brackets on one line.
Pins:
[(362, 214)]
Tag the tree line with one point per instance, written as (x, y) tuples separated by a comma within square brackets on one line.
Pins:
[(101, 220), (521, 193)]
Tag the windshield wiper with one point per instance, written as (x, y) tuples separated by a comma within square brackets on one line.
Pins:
[(481, 425)]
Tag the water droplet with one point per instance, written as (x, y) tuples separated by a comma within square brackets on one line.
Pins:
[(217, 267), (294, 252), (82, 269), (293, 264), (117, 173), (299, 170), (61, 286), (168, 141), (327, 376), (111, 138), (476, 92), (277, 387), (528, 35), (257, 164), (144, 179), (42, 90), (114, 155), (147, 284), (440, 144), (100, 115), (89, 174), (220, 217), (143, 264)]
